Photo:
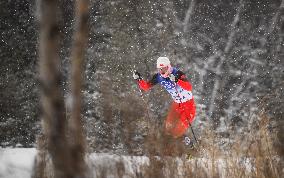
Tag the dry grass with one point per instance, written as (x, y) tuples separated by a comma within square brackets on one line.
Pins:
[(252, 155)]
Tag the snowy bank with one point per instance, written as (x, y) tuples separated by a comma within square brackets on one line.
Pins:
[(18, 163)]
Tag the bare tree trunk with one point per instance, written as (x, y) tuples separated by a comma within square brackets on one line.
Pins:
[(77, 144), (51, 96), (40, 160)]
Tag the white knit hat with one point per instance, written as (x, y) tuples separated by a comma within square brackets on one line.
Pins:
[(163, 62)]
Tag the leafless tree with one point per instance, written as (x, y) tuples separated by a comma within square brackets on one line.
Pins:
[(67, 156)]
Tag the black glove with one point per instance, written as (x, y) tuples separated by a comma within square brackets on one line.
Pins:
[(137, 75)]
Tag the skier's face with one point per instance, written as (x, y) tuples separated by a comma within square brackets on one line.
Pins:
[(163, 70)]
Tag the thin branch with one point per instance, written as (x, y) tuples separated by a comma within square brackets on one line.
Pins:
[(188, 16), (233, 27), (275, 19)]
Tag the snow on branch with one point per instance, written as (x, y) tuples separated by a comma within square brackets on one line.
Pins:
[(233, 27), (188, 16)]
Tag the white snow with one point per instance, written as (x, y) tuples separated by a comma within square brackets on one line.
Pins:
[(109, 165), (18, 163)]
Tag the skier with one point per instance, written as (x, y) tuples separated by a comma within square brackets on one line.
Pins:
[(182, 110)]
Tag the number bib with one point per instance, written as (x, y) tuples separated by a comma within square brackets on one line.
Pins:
[(178, 94)]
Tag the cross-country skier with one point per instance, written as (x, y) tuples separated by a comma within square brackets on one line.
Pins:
[(182, 110)]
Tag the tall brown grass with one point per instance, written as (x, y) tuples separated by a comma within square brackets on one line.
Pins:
[(252, 154)]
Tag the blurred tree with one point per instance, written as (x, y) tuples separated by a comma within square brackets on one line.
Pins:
[(66, 145)]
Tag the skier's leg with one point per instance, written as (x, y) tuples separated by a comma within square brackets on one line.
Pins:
[(190, 105), (180, 126), (173, 124), (190, 111), (187, 117), (171, 119)]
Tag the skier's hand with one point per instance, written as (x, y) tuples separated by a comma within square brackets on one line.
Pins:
[(173, 78), (136, 75)]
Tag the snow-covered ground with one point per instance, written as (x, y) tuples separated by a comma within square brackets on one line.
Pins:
[(18, 163)]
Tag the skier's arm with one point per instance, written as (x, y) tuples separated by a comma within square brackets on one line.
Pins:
[(183, 82), (146, 85)]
